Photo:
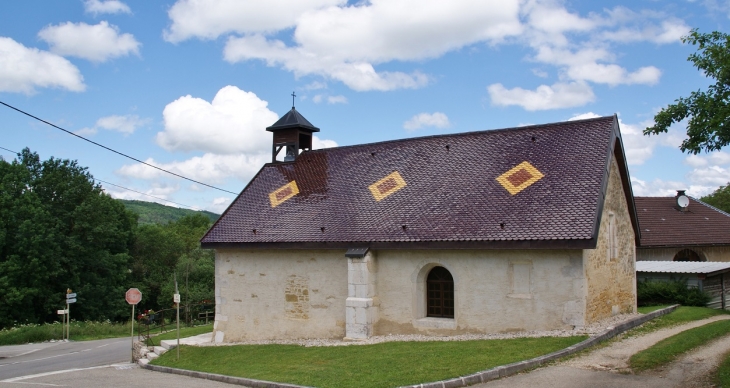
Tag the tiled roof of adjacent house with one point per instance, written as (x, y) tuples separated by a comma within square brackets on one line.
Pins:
[(529, 187), (662, 224)]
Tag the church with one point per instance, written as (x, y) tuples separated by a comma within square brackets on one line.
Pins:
[(528, 228)]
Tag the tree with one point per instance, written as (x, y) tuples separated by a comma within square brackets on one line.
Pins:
[(708, 111), (161, 250), (719, 198), (59, 230)]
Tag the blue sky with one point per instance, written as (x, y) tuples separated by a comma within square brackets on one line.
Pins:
[(190, 85)]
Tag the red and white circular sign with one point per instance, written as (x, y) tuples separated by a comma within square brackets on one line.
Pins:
[(133, 296)]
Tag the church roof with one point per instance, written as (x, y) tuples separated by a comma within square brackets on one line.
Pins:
[(538, 186), (663, 225), (292, 119)]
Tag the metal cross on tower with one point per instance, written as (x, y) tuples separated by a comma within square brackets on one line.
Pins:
[(293, 95)]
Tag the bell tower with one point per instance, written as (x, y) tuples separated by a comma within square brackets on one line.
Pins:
[(291, 132)]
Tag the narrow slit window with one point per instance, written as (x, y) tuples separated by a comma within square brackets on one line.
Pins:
[(612, 238)]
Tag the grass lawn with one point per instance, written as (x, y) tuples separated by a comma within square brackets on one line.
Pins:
[(80, 331), (682, 314), (667, 350), (648, 309), (362, 366), (184, 332)]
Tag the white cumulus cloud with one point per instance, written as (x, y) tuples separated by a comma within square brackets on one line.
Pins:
[(208, 168), (318, 98), (544, 97), (24, 69), (346, 42), (436, 119), (662, 188), (234, 121), (96, 43), (105, 6), (210, 19), (126, 124)]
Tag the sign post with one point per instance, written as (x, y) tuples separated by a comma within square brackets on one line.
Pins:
[(70, 298), (133, 296), (176, 299)]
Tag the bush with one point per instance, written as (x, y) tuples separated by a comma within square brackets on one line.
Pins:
[(656, 292)]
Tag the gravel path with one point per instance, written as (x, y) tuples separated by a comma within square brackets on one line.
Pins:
[(615, 356), (607, 366), (694, 370)]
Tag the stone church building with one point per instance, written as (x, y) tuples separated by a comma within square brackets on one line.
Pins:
[(529, 228)]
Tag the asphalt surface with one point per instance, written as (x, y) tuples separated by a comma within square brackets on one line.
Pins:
[(31, 359), (120, 375), (85, 364)]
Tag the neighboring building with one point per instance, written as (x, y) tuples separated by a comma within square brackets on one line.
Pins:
[(529, 228), (711, 277), (670, 232)]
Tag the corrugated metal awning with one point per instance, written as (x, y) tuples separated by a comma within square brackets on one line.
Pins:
[(704, 267)]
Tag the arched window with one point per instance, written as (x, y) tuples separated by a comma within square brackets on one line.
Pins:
[(688, 255), (440, 293)]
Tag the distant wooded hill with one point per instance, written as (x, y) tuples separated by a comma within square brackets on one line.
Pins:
[(155, 213)]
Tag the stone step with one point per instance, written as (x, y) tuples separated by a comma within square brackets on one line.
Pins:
[(168, 344), (160, 350), (143, 361), (152, 356)]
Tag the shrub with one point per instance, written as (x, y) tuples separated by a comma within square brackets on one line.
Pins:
[(656, 292)]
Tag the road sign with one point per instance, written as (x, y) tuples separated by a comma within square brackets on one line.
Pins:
[(72, 300), (70, 296), (133, 296), (176, 298), (61, 312)]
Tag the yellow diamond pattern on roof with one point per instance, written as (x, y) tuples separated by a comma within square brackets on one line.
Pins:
[(283, 193), (519, 177), (387, 186)]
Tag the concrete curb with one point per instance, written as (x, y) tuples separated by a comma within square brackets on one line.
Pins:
[(222, 378), (463, 381)]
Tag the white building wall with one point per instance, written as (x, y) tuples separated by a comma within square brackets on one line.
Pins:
[(269, 294), (545, 292)]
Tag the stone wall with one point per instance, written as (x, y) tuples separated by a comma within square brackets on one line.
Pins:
[(495, 291), (610, 269), (279, 294), (709, 253)]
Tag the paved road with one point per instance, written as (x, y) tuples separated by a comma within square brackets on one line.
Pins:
[(121, 375), (23, 360)]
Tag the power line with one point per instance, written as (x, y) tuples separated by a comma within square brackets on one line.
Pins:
[(122, 187), (11, 151), (115, 151)]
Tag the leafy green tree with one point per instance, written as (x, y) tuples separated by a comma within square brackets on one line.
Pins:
[(708, 127), (162, 250), (719, 198), (59, 230)]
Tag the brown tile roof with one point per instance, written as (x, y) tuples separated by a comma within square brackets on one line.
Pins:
[(447, 191), (662, 225)]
